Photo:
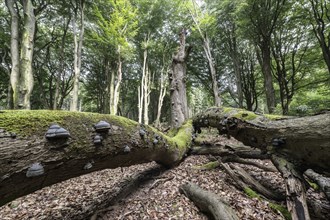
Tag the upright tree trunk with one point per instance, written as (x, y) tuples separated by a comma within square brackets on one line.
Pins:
[(207, 50), (237, 69), (114, 107), (141, 88), (147, 90), (62, 65), (265, 62), (179, 106), (162, 93), (14, 51), (21, 76), (77, 55)]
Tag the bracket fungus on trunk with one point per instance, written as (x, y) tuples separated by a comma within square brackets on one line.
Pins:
[(102, 127), (56, 132), (35, 169)]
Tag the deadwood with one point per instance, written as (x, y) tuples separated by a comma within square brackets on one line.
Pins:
[(29, 161), (304, 141), (294, 145), (322, 181), (208, 202)]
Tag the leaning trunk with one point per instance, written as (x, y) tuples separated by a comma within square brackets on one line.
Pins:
[(207, 50)]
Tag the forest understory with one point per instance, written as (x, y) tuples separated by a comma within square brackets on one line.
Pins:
[(107, 194)]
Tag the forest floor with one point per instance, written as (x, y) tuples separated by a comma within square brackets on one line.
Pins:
[(158, 198)]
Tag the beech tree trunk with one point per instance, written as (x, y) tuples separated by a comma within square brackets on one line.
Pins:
[(115, 85), (61, 159), (21, 77), (215, 88), (78, 43), (303, 141), (162, 93), (293, 144)]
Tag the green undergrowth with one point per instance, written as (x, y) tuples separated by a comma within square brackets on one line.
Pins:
[(276, 207)]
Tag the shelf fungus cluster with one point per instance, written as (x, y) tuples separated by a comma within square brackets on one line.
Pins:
[(56, 132), (278, 142), (102, 129), (34, 170)]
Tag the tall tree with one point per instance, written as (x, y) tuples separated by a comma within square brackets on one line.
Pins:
[(116, 30), (203, 21), (259, 19), (320, 13), (78, 36), (21, 76)]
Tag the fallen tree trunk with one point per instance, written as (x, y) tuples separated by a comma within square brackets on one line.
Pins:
[(29, 161), (304, 141), (208, 202), (323, 182)]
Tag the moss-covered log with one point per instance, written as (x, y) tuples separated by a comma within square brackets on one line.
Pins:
[(29, 161), (303, 141)]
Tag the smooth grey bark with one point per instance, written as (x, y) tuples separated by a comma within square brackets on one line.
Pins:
[(162, 93), (14, 51), (177, 77), (21, 77), (78, 43), (208, 53), (115, 85)]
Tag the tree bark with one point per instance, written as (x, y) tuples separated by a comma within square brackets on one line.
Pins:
[(123, 145), (78, 43), (178, 93), (303, 141), (21, 73), (116, 85), (14, 51), (162, 93)]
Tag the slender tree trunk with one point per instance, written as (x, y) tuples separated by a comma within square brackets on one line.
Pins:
[(77, 55), (179, 106), (265, 62), (237, 71), (114, 107), (14, 51), (146, 88), (162, 93), (26, 75), (141, 88), (207, 50), (62, 64)]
